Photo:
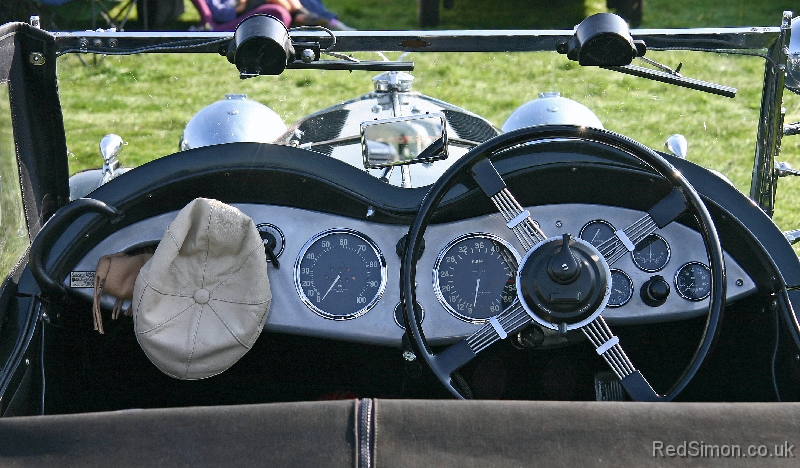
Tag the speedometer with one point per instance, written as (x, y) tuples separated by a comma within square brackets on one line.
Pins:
[(474, 276), (340, 274)]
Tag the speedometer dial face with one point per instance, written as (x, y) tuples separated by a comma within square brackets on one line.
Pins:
[(693, 281), (340, 274), (475, 276)]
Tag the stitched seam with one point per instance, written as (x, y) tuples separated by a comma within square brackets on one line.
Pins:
[(239, 302), (174, 241), (167, 321), (194, 342), (226, 326), (208, 246), (164, 292), (234, 274), (183, 278)]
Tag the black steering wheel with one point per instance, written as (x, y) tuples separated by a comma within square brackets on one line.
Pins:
[(563, 283)]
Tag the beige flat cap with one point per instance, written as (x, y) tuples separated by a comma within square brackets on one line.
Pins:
[(200, 303)]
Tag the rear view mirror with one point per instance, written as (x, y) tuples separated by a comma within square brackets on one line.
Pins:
[(404, 140)]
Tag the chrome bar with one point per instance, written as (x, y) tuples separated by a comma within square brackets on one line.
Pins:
[(770, 122), (753, 40)]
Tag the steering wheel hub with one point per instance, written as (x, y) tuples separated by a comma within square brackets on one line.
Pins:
[(563, 283)]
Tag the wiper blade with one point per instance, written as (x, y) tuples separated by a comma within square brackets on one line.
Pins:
[(676, 79)]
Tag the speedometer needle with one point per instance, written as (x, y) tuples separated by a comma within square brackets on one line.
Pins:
[(477, 286), (329, 289)]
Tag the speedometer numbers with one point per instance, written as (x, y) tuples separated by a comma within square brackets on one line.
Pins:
[(474, 277), (340, 274)]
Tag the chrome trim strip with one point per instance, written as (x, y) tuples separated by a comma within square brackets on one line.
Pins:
[(625, 240), (518, 219), (498, 328), (607, 345), (703, 39)]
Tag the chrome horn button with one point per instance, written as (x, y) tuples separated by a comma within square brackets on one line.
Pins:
[(563, 283)]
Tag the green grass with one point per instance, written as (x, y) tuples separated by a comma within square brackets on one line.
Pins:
[(149, 99)]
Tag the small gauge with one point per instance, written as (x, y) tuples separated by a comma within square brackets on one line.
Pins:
[(651, 254), (475, 276), (621, 289), (693, 281), (596, 232), (340, 274), (271, 233)]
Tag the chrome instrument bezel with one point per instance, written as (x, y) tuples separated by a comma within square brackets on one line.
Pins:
[(443, 253), (601, 221), (307, 301), (666, 262), (630, 283), (678, 288)]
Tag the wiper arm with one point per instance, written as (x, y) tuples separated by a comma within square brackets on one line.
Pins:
[(675, 79)]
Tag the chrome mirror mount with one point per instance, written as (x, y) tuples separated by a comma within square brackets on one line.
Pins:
[(110, 147), (677, 145)]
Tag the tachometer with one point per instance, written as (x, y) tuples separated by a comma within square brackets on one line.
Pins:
[(693, 281), (340, 274), (474, 276)]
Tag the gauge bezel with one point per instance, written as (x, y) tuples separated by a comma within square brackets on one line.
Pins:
[(280, 233), (653, 270), (601, 221), (443, 253), (630, 282), (678, 289), (318, 237)]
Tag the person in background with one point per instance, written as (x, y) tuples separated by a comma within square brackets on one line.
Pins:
[(307, 13), (316, 7)]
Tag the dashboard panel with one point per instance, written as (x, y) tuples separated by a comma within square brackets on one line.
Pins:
[(339, 276)]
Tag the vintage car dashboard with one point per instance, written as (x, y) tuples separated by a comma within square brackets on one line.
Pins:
[(339, 276)]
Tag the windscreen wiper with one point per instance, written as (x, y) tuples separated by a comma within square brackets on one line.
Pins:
[(603, 40), (675, 78)]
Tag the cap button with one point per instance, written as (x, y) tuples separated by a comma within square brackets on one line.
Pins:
[(201, 296)]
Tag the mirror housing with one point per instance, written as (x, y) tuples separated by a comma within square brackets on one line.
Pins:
[(404, 140)]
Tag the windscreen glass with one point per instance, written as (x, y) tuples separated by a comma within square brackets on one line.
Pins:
[(148, 100), (13, 230)]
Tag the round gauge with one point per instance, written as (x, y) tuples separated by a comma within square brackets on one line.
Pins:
[(693, 281), (621, 289), (271, 234), (475, 277), (651, 254), (340, 274), (596, 232)]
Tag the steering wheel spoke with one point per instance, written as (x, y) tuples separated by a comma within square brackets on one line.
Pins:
[(517, 219), (495, 329), (661, 214), (607, 345)]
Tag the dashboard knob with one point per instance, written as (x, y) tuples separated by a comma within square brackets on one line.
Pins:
[(655, 291)]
